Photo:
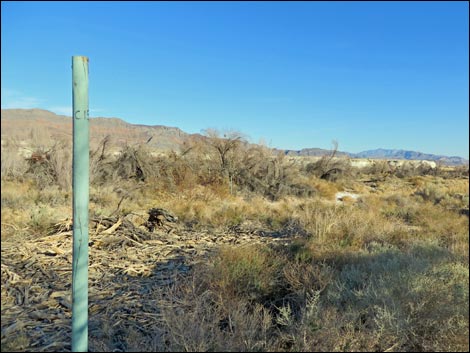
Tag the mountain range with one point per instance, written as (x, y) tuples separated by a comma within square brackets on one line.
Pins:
[(381, 153), (42, 125)]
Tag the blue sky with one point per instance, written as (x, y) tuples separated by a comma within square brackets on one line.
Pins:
[(295, 74)]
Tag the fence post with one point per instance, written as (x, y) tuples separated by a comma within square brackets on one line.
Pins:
[(80, 204)]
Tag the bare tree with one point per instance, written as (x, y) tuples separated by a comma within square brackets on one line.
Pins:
[(225, 146), (328, 165)]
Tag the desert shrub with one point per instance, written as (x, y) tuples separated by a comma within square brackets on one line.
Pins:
[(272, 177), (431, 193), (13, 165), (61, 165), (459, 172), (406, 170), (424, 169), (400, 207), (319, 220), (441, 192), (135, 163), (399, 298), (41, 172), (230, 163), (457, 202), (41, 218), (241, 167), (452, 172), (242, 300), (449, 229), (208, 326), (100, 170), (17, 195), (104, 198), (178, 169), (252, 272), (378, 168), (330, 169), (225, 150), (343, 226), (325, 189), (376, 299), (381, 169), (52, 166)]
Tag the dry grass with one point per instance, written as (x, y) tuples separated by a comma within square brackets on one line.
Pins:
[(388, 272), (371, 300)]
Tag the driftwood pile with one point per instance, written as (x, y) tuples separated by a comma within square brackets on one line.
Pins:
[(158, 217), (131, 259)]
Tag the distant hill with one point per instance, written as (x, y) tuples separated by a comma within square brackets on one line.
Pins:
[(312, 152), (40, 125), (381, 153)]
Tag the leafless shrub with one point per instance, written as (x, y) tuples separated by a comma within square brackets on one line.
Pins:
[(98, 158), (233, 162), (13, 165), (271, 176), (178, 171), (378, 168), (226, 149), (407, 170), (132, 163), (461, 171), (329, 167), (135, 163), (52, 166)]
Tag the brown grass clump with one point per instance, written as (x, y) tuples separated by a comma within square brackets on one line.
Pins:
[(326, 189)]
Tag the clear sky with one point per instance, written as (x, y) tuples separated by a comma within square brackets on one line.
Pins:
[(296, 74)]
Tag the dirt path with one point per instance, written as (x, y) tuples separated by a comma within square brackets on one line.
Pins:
[(127, 267)]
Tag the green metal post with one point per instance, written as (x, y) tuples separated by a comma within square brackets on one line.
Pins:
[(80, 204)]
